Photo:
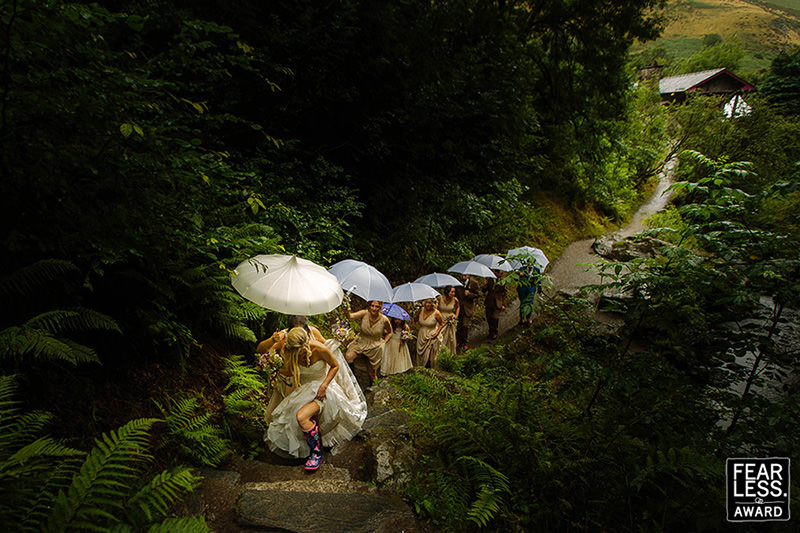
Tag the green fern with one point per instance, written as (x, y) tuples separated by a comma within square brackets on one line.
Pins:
[(61, 322), (243, 376), (155, 498), (30, 279), (245, 399), (29, 464), (180, 525), (190, 431), (492, 489), (238, 332), (97, 493), (19, 342)]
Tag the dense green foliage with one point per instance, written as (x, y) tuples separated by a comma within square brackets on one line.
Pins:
[(782, 84), (154, 145), (638, 459), (149, 146), (572, 426), (49, 487)]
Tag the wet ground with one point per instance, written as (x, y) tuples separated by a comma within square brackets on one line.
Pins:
[(572, 270)]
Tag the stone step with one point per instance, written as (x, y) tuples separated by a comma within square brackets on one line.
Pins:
[(252, 470), (324, 505)]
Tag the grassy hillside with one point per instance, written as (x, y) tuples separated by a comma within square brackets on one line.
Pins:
[(763, 27)]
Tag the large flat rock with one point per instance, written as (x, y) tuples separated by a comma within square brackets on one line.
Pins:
[(323, 505)]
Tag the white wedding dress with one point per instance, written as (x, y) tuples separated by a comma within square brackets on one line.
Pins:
[(340, 418)]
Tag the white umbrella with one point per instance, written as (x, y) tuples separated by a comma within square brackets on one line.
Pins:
[(344, 266), (413, 292), (540, 260), (495, 262), (437, 279), (363, 280), (287, 284), (473, 268)]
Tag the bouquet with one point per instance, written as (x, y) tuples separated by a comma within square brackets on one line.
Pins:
[(451, 320), (342, 331), (270, 364), (406, 335)]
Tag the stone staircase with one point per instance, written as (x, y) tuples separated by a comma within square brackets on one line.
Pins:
[(277, 494), (286, 498)]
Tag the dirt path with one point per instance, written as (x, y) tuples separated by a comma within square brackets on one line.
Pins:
[(568, 271), (571, 270)]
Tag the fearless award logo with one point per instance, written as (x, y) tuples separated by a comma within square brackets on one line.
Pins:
[(758, 489)]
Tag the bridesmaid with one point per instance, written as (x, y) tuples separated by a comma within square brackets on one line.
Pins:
[(449, 307), (428, 341), (396, 355), (375, 332)]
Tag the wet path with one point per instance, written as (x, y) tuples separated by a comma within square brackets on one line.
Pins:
[(571, 270), (567, 271)]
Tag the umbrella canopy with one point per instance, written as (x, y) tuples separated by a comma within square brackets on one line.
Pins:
[(344, 266), (473, 268), (495, 262), (287, 284), (395, 311), (363, 280), (540, 260), (413, 292), (437, 279)]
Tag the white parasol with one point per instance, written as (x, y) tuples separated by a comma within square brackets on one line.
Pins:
[(287, 284)]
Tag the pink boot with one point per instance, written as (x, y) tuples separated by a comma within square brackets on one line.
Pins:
[(314, 441)]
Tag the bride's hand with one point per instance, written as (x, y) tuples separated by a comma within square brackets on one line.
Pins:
[(322, 392)]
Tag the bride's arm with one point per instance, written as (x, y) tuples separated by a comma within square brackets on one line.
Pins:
[(333, 368)]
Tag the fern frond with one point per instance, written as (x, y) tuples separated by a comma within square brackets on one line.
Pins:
[(29, 279), (64, 321), (8, 389), (155, 498), (20, 429), (101, 484), (191, 431), (181, 525), (236, 331), (249, 311), (243, 375), (38, 508), (21, 342), (492, 490), (19, 462)]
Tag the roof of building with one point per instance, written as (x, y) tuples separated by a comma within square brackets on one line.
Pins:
[(686, 82)]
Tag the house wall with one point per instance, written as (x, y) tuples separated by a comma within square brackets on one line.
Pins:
[(720, 84)]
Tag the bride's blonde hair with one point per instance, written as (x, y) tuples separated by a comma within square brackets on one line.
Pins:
[(296, 346)]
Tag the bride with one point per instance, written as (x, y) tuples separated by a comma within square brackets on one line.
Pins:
[(325, 406)]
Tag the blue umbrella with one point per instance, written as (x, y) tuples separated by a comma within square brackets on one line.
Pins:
[(395, 311)]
